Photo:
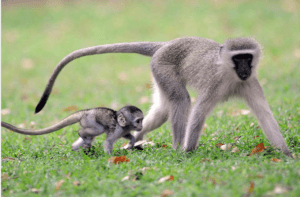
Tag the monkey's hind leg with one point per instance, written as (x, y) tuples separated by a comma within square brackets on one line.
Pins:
[(78, 143), (196, 120), (82, 143), (87, 136), (157, 115), (178, 97), (88, 132), (85, 146)]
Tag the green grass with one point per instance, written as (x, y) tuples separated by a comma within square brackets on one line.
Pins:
[(45, 34)]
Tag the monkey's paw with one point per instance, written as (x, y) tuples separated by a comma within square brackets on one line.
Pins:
[(140, 145)]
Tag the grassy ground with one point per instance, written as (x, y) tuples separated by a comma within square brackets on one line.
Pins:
[(36, 37)]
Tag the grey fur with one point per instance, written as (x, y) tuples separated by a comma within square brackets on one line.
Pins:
[(95, 122), (204, 65)]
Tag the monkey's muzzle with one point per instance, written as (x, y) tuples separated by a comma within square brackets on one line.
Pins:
[(139, 129)]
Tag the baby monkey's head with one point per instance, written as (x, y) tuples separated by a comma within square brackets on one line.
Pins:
[(130, 117)]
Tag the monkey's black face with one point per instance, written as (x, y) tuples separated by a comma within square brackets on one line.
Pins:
[(138, 124), (242, 65)]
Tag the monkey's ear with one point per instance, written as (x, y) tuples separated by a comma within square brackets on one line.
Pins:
[(122, 120)]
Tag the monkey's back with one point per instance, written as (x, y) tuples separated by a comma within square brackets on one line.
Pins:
[(106, 117), (199, 66), (192, 59)]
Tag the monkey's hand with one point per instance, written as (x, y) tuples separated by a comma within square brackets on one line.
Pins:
[(131, 143), (287, 152), (132, 140)]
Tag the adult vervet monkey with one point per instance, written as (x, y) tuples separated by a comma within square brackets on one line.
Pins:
[(216, 71)]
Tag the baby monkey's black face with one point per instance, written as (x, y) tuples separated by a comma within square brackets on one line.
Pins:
[(242, 65), (138, 122)]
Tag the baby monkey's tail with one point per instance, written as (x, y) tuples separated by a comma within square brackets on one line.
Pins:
[(72, 119)]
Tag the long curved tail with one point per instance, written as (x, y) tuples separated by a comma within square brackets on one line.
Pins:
[(72, 119), (143, 48)]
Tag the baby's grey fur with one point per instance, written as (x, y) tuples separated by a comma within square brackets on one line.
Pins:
[(95, 122), (203, 64)]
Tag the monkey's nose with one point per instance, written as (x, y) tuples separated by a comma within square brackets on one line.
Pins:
[(244, 76)]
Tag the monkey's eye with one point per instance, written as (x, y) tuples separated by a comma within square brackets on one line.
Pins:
[(139, 120)]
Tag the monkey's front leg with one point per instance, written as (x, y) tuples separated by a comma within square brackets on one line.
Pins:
[(196, 121), (111, 138), (257, 102), (131, 138)]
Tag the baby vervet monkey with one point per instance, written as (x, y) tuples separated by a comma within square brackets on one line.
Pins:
[(94, 122)]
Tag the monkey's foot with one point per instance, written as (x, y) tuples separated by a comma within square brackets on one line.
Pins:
[(140, 145), (188, 149), (287, 153)]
